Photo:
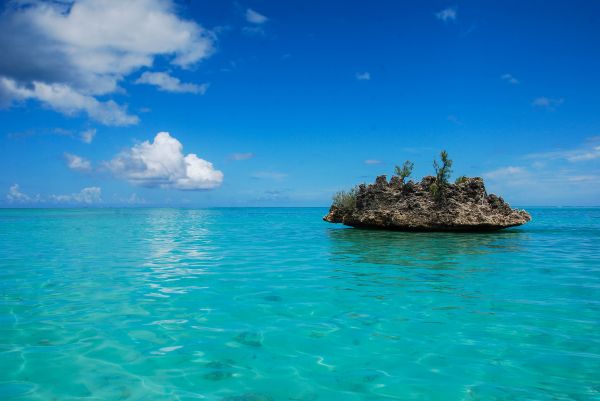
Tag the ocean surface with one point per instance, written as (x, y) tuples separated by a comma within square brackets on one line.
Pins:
[(275, 304)]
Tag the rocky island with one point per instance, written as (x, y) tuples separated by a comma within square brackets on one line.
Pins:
[(433, 204)]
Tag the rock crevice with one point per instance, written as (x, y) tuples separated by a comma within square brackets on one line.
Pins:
[(464, 206)]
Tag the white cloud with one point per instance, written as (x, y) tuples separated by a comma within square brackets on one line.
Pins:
[(254, 17), (510, 79), (586, 153), (66, 100), (134, 199), (242, 156), (566, 176), (505, 172), (15, 195), (363, 76), (547, 102), (88, 135), (161, 163), (64, 54), (373, 161), (77, 163), (89, 195), (447, 14), (168, 83)]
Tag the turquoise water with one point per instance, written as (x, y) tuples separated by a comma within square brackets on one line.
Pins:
[(274, 304)]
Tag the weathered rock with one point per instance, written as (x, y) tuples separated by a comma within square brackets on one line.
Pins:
[(465, 206)]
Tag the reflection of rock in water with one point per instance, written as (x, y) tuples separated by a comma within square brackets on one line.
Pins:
[(417, 268), (437, 249)]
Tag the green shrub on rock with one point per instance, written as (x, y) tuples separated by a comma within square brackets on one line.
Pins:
[(345, 199), (405, 171), (442, 176), (461, 179)]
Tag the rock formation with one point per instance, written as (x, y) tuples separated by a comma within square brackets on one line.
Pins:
[(464, 206)]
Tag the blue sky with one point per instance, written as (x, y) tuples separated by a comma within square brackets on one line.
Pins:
[(270, 103)]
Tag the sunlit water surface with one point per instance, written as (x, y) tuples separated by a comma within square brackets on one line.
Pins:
[(274, 304)]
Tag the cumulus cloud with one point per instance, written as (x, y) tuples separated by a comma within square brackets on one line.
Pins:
[(15, 195), (547, 102), (88, 196), (161, 163), (447, 14), (66, 100), (168, 83), (65, 54), (77, 163), (510, 79), (255, 17), (242, 156), (363, 76), (88, 135)]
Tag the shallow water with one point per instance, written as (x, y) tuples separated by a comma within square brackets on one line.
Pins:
[(274, 304)]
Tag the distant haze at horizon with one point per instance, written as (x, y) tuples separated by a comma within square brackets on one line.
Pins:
[(284, 103)]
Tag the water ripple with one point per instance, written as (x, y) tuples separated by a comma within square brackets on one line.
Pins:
[(274, 304)]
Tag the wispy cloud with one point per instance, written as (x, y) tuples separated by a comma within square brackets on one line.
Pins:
[(373, 161), (505, 172), (168, 83), (88, 135), (567, 175), (510, 79), (15, 195), (590, 151), (241, 156), (363, 76), (77, 163), (447, 14), (254, 17), (135, 199), (547, 102), (88, 196)]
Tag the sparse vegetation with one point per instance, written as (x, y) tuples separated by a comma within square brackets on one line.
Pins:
[(442, 176), (345, 199), (461, 179), (405, 171)]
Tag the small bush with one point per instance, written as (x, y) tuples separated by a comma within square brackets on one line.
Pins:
[(442, 176), (461, 179), (345, 199), (442, 173), (405, 171)]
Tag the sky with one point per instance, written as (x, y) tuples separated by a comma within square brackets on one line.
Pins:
[(283, 103)]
